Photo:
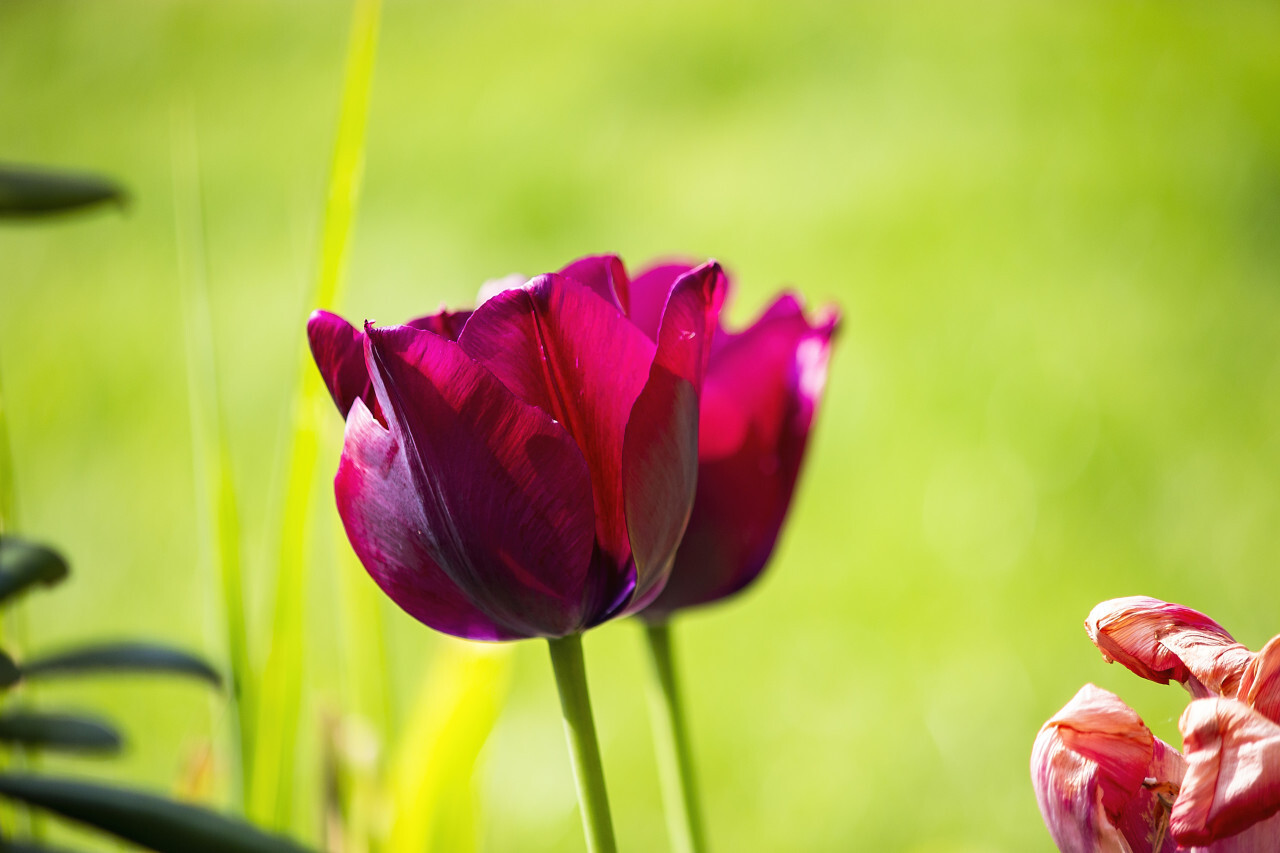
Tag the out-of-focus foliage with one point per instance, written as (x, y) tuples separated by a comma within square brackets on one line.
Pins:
[(1052, 229)]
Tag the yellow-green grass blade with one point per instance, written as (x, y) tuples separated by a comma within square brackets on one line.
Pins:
[(7, 499), (433, 762), (280, 690), (218, 518)]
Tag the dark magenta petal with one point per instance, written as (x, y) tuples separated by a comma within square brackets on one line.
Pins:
[(605, 275), (649, 292), (382, 512), (504, 493), (338, 350), (560, 347), (759, 399), (660, 456), (446, 324)]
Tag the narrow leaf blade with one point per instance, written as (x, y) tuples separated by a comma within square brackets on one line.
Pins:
[(144, 819), (25, 563), (121, 657), (25, 191), (64, 732), (9, 672)]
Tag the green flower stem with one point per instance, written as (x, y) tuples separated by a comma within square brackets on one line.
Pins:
[(584, 749), (671, 737)]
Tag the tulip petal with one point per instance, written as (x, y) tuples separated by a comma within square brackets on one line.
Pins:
[(758, 403), (1161, 641), (446, 324), (560, 347), (504, 493), (338, 350), (1233, 771), (1260, 684), (649, 292), (377, 501), (660, 457), (604, 274), (1102, 779)]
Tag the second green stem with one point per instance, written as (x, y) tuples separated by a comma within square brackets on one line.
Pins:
[(671, 737)]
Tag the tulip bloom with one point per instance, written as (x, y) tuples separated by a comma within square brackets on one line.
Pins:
[(526, 469), (1161, 642), (1224, 797), (760, 396), (1104, 783)]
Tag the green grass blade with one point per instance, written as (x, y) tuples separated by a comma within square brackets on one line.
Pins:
[(280, 692), (432, 766), (219, 520), (7, 500)]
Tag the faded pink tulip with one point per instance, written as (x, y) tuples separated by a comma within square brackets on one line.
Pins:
[(1161, 641), (1104, 783)]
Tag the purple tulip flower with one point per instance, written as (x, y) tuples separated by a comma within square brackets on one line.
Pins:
[(525, 469), (759, 399)]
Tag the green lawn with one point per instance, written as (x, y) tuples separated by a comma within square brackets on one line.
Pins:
[(1053, 230)]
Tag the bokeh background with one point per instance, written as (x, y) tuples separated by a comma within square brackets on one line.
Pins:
[(1053, 230)]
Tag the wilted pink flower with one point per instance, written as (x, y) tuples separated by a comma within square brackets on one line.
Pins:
[(1104, 783), (526, 469), (1231, 794), (762, 390), (1161, 641)]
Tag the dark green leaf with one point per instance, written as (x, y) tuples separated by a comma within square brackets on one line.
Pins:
[(67, 732), (120, 657), (25, 563), (9, 672), (37, 192), (144, 819)]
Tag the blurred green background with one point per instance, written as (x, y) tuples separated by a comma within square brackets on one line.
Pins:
[(1053, 230)]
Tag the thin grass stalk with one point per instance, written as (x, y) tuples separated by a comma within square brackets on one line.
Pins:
[(8, 499), (280, 690), (219, 520)]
